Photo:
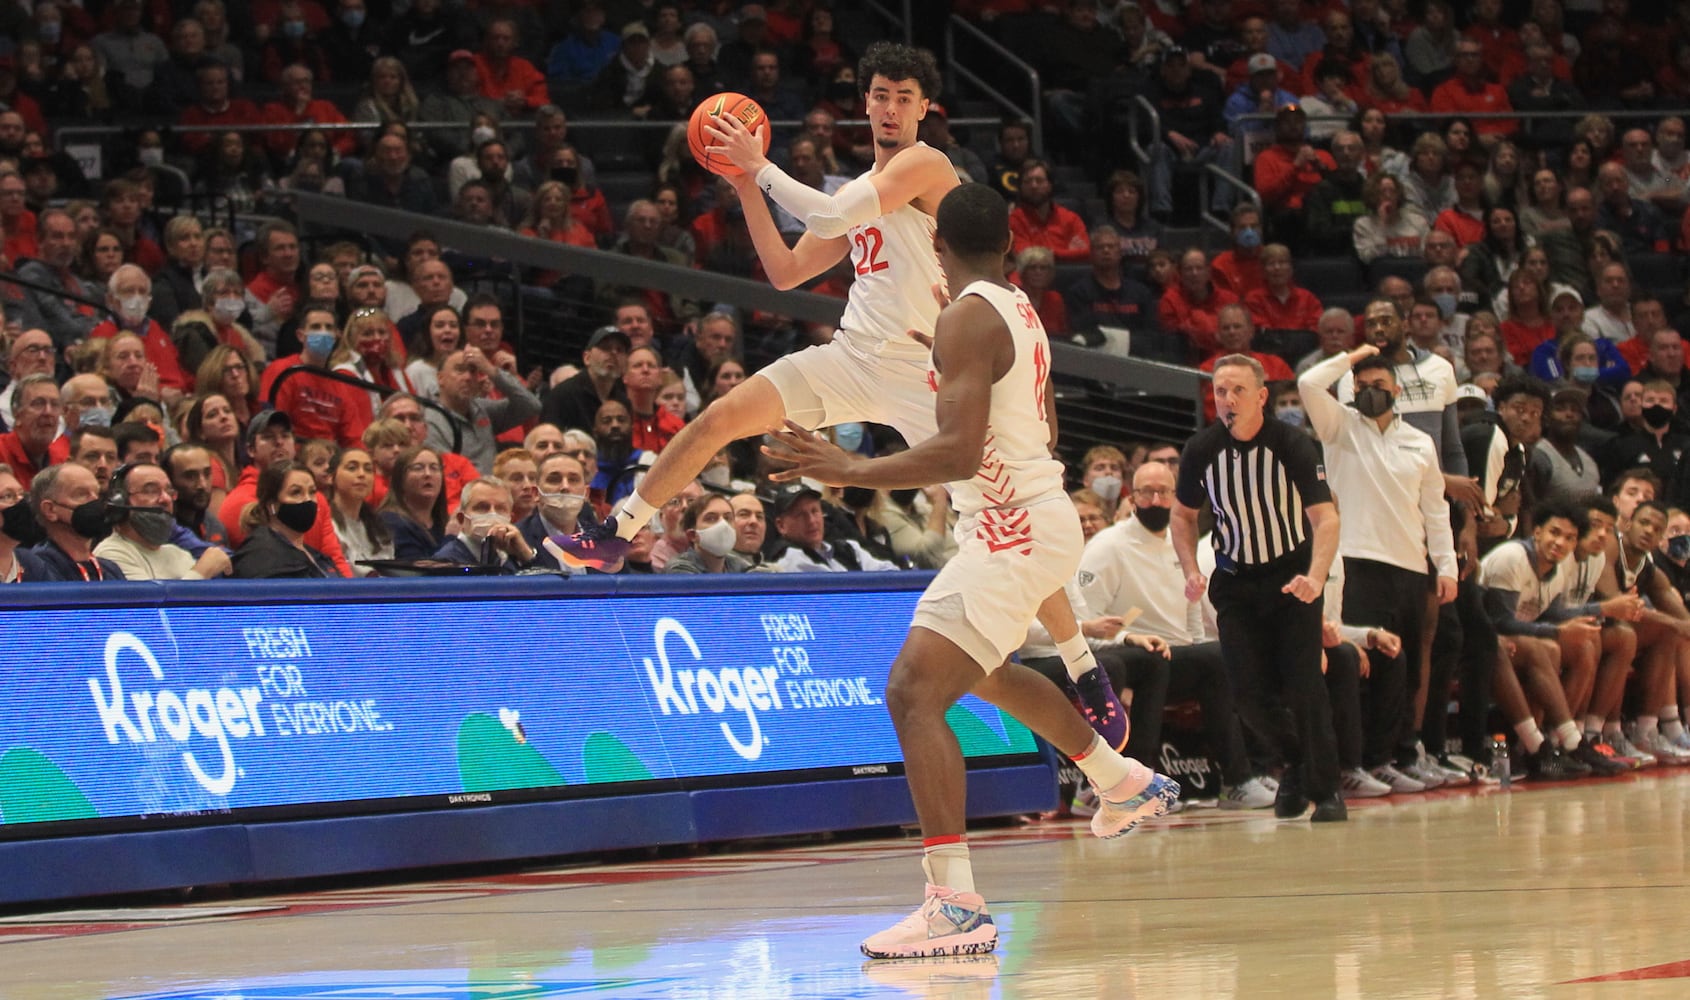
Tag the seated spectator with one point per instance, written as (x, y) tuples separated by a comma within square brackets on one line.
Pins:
[(214, 107), (1108, 296), (1470, 91), (1191, 106), (1612, 316), (459, 102), (350, 44), (415, 508), (1327, 95), (34, 443), (708, 524), (1491, 259), (277, 523), (1465, 220), (1658, 443), (423, 280), (189, 468), (1238, 269), (1037, 220), (270, 440), (388, 96), (1288, 170), (69, 317), (562, 507), (1189, 305), (1546, 211), (1377, 154), (138, 438), (1427, 184), (66, 502), (920, 524), (1035, 274), (1561, 471), (801, 522), (18, 531), (1336, 330), (28, 352), (653, 427), (466, 377), (1391, 227), (550, 217), (542, 440), (751, 526), (518, 470), (1127, 212), (129, 297), (486, 535), (1102, 469), (403, 408), (390, 179), (300, 106), (1529, 323), (320, 407), (1262, 92), (95, 449), (505, 76), (1337, 201), (440, 335), (1665, 362), (1234, 332), (142, 506), (368, 348), (1280, 304), (641, 225), (1637, 222)]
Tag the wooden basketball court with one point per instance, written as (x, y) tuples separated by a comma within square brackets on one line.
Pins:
[(1576, 890)]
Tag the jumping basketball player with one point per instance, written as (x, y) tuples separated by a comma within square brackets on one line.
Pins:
[(1018, 540), (875, 369)]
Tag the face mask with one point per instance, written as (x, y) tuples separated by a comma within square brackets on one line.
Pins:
[(49, 31), (1249, 238), (480, 134), (133, 308), (482, 525), (297, 517), (843, 92), (567, 175), (95, 416), (904, 498), (353, 19), (319, 344), (20, 525), (717, 475), (1292, 415), (1107, 487), (293, 29), (1678, 547), (848, 436), (1583, 373), (1657, 415), (153, 524), (90, 520), (1154, 518), (229, 310), (151, 156), (1446, 304), (718, 539), (1372, 401), (562, 504)]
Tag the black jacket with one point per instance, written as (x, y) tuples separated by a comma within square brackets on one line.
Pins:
[(266, 555)]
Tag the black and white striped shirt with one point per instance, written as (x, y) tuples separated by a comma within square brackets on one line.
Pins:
[(1259, 490)]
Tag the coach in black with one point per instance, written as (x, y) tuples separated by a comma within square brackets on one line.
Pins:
[(1276, 534)]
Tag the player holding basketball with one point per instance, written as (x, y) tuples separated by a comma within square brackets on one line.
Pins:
[(1018, 539), (875, 369)]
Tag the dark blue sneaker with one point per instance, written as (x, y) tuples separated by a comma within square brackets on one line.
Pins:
[(1095, 697), (595, 546)]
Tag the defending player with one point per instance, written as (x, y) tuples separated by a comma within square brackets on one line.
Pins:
[(875, 369), (1018, 541)]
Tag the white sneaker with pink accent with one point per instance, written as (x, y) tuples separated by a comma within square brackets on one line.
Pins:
[(948, 923)]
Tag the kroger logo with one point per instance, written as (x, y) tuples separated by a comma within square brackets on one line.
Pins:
[(146, 716), (691, 691)]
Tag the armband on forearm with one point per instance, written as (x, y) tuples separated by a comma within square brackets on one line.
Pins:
[(827, 216)]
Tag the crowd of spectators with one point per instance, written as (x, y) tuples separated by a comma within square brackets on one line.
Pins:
[(187, 400)]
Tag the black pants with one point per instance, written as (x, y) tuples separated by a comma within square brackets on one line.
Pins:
[(1380, 595), (1343, 690), (1272, 646), (1194, 672), (1466, 639)]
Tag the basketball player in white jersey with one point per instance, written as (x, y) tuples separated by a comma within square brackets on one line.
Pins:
[(875, 369), (1018, 540)]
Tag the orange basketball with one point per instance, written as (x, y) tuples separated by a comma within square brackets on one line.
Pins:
[(750, 114)]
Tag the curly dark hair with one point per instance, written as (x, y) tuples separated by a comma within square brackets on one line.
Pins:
[(900, 62)]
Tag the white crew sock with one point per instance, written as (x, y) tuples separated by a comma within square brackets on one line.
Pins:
[(1647, 724), (1671, 726), (634, 515), (1117, 778), (1531, 737), (1568, 736), (1593, 724), (1076, 655), (945, 859)]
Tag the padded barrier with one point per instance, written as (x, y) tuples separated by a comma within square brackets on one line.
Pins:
[(156, 735)]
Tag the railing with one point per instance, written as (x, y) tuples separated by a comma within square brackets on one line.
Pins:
[(1213, 174), (955, 69), (1104, 399), (358, 383), (905, 23)]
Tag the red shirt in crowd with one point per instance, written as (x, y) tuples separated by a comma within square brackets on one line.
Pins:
[(20, 237), (1281, 183), (321, 536), (519, 75), (316, 112), (13, 453), (1180, 313), (1461, 225), (1520, 340), (654, 431), (161, 351), (1299, 310), (238, 111), (1453, 97), (1237, 273), (319, 407), (1062, 232)]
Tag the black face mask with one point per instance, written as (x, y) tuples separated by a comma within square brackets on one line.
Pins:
[(857, 498), (843, 92), (903, 498), (297, 516), (1372, 401), (19, 524), (153, 524), (1657, 415), (567, 175), (1153, 518), (91, 520)]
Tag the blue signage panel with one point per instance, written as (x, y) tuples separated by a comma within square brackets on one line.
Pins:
[(119, 715)]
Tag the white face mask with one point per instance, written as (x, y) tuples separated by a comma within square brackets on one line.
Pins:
[(717, 475), (481, 134), (229, 310), (563, 505), (718, 539), (482, 525), (134, 307), (1107, 487), (151, 156)]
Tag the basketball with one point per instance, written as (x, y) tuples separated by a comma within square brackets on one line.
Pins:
[(750, 114)]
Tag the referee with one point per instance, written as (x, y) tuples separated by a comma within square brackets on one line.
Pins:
[(1276, 534)]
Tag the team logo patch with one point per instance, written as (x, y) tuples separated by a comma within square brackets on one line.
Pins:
[(1087, 577), (1320, 473)]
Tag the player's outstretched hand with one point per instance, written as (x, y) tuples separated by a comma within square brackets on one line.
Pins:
[(742, 146), (798, 452)]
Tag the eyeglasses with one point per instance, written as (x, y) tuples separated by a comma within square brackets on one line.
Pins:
[(10, 497), (36, 349), (44, 403), (234, 369), (1154, 493), (155, 491), (422, 467), (581, 454), (408, 418)]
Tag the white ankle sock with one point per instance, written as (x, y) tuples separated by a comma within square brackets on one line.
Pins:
[(1671, 727), (634, 515), (1531, 737), (1076, 655), (1107, 769), (1593, 723), (1647, 724), (946, 863), (1610, 729), (1567, 735)]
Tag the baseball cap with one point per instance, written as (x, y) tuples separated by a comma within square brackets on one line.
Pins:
[(605, 333), (1173, 52), (1569, 392), (633, 28), (1558, 290), (935, 108), (268, 420), (1469, 391), (786, 499), (460, 55), (1261, 62)]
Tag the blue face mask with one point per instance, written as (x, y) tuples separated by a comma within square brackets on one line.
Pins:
[(1678, 548), (320, 345), (848, 436), (353, 19), (1249, 238), (1446, 304), (1583, 373), (1292, 415), (293, 29)]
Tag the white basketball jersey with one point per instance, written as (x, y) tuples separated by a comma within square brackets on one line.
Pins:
[(1016, 470), (896, 269)]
